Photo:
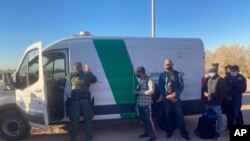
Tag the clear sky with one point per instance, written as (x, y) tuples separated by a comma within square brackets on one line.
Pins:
[(23, 22)]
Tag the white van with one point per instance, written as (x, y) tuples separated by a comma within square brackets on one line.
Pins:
[(40, 78)]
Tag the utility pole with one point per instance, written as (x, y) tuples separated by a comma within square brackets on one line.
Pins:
[(153, 18)]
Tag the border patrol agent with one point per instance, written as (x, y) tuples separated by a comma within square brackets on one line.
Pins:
[(77, 89)]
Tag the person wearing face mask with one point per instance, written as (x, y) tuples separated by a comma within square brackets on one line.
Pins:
[(236, 86), (227, 98), (144, 90), (214, 90), (171, 85), (227, 70), (227, 105)]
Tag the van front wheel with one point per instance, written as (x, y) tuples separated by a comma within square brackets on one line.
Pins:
[(13, 126)]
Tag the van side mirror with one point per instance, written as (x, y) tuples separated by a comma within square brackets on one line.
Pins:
[(8, 81), (16, 80)]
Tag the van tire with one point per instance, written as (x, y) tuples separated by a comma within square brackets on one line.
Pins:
[(160, 118), (13, 126)]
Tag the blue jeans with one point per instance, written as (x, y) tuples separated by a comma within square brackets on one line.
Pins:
[(145, 115), (177, 108), (217, 110)]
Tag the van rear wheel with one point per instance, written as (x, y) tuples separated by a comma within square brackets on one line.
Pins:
[(13, 126)]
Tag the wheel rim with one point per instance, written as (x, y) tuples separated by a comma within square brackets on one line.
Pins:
[(12, 127)]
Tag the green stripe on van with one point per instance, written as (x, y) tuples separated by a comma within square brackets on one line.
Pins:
[(118, 69)]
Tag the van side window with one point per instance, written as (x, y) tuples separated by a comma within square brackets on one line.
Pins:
[(59, 69), (22, 74), (29, 70), (48, 71), (33, 67), (54, 69)]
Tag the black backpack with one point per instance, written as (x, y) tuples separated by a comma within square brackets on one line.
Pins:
[(206, 128)]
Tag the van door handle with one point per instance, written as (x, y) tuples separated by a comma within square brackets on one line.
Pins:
[(38, 90)]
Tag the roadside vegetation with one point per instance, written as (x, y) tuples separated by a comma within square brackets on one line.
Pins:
[(234, 54)]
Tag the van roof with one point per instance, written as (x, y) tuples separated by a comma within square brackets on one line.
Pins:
[(79, 37)]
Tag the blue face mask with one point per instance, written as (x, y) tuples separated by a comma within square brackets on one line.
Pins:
[(233, 74)]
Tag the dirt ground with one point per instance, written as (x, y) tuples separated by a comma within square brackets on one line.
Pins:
[(128, 130)]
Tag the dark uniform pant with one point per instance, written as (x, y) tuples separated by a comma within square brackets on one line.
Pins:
[(76, 108)]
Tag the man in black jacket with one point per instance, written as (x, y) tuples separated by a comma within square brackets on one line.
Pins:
[(214, 91), (236, 86)]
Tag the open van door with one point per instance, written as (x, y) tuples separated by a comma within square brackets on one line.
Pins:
[(30, 88)]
